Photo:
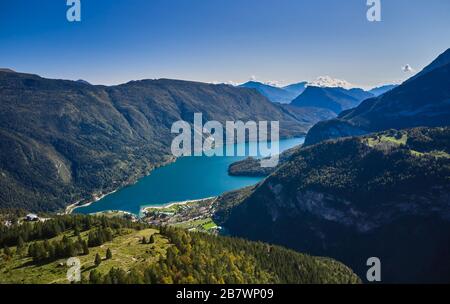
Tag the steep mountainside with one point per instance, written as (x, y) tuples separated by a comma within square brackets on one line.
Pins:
[(115, 251), (440, 61), (386, 196), (332, 99), (424, 100), (61, 141)]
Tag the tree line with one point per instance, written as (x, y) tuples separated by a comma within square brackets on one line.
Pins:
[(28, 232)]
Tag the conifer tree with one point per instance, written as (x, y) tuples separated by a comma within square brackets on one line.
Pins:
[(108, 254), (94, 277), (20, 245), (85, 248), (7, 251), (98, 260), (76, 231)]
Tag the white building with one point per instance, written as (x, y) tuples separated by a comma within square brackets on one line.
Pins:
[(32, 217)]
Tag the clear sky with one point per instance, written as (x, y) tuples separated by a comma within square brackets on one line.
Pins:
[(222, 40)]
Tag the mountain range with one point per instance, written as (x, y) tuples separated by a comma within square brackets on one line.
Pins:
[(423, 100), (323, 94)]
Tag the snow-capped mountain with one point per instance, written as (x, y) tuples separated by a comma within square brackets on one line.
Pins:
[(329, 82)]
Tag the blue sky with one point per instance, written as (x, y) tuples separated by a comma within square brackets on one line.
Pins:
[(222, 40)]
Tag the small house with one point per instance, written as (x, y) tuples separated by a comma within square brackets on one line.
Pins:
[(32, 217)]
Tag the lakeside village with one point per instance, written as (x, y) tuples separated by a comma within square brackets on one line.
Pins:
[(191, 215), (195, 215)]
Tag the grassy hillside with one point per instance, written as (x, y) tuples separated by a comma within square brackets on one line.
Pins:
[(141, 254), (383, 195)]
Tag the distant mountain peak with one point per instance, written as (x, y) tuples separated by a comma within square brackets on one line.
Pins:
[(329, 82), (83, 81), (296, 88), (273, 84), (252, 82)]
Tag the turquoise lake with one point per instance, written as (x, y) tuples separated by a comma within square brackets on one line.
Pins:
[(189, 178)]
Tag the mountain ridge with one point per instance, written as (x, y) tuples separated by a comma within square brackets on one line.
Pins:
[(296, 88), (440, 61)]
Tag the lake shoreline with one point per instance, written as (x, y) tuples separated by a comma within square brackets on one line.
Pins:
[(160, 192), (172, 204), (72, 207)]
